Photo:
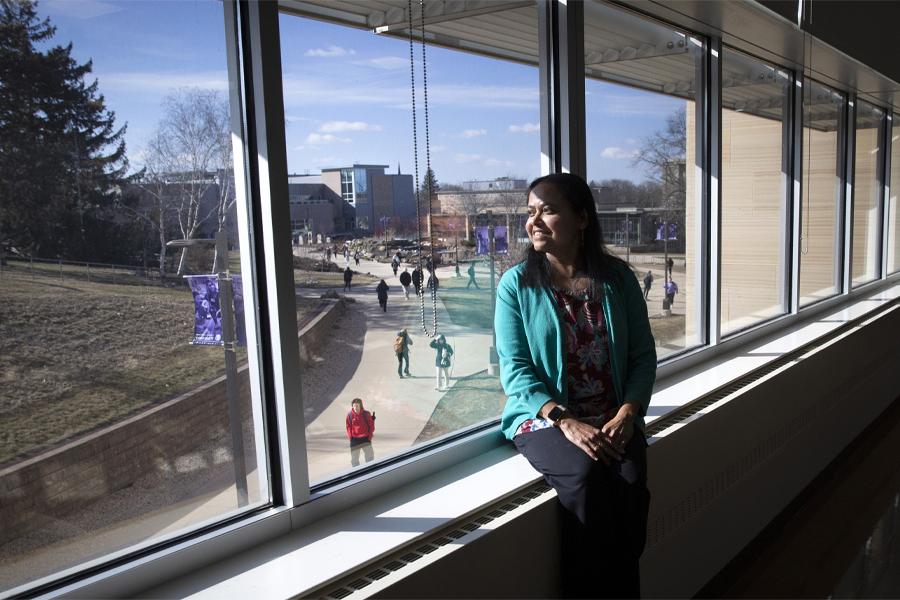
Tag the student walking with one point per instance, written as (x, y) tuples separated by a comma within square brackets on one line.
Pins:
[(443, 354), (648, 282), (471, 272), (348, 277), (433, 282), (401, 348), (360, 425), (671, 288), (381, 291), (356, 257), (405, 281)]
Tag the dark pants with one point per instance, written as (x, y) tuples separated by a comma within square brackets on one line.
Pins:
[(383, 303), (403, 356), (603, 516)]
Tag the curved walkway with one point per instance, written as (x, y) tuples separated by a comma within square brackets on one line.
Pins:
[(402, 406)]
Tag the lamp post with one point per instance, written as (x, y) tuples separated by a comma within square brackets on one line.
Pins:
[(384, 221), (220, 268)]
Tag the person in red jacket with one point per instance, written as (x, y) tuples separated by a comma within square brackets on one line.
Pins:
[(360, 429)]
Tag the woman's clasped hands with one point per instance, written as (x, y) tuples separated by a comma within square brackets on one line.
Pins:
[(606, 443)]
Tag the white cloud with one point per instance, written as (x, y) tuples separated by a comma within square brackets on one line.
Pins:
[(494, 162), (617, 153), (525, 128), (384, 62), (471, 133), (83, 9), (161, 82), (467, 158), (438, 148), (336, 126), (329, 52), (316, 139)]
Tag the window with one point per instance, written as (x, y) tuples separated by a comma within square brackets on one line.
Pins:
[(641, 98), (755, 174), (823, 135), (867, 193), (484, 134), (127, 405), (893, 209)]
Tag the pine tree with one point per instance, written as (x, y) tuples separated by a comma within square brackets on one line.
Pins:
[(429, 179), (62, 160)]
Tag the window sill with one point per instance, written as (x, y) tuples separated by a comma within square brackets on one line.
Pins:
[(322, 549)]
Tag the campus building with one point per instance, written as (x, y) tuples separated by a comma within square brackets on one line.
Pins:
[(376, 197), (781, 169)]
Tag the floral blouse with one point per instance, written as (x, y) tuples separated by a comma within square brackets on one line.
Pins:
[(589, 375)]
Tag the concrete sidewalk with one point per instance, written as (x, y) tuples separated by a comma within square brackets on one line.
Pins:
[(402, 406)]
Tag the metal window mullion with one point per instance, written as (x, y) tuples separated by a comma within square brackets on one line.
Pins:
[(570, 54), (549, 86), (849, 174), (267, 118), (884, 213), (886, 203), (841, 171), (246, 229), (795, 194), (712, 224)]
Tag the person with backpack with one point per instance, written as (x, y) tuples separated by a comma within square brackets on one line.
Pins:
[(360, 430), (401, 348), (381, 291), (405, 281), (442, 361)]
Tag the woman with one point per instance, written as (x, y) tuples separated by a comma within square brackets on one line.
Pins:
[(442, 361), (360, 429), (578, 362)]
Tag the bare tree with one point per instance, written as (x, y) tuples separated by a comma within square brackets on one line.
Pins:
[(470, 204), (662, 154), (194, 140)]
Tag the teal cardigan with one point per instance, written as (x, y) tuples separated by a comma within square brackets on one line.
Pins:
[(530, 345)]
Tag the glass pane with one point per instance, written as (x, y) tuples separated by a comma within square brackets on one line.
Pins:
[(643, 156), (755, 170), (120, 426), (893, 214), (867, 192), (354, 178), (823, 124)]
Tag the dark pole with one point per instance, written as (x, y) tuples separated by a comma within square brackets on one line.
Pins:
[(494, 361), (235, 422)]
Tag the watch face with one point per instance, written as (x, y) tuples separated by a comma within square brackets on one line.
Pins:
[(555, 413)]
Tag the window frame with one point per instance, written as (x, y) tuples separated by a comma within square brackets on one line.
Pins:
[(253, 46)]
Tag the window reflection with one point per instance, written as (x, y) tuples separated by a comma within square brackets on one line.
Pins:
[(755, 169), (867, 192), (823, 124), (893, 209), (642, 159)]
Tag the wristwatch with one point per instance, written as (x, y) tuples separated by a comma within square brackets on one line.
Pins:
[(557, 414)]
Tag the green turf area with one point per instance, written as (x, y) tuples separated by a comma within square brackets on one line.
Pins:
[(77, 354), (471, 400), (469, 308)]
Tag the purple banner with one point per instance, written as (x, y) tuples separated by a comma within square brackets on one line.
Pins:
[(482, 242), (673, 231), (501, 241), (207, 314)]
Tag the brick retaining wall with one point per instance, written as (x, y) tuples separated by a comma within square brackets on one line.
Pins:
[(66, 479)]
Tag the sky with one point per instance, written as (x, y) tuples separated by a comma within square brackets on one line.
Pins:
[(347, 92)]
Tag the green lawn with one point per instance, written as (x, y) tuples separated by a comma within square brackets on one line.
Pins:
[(470, 308), (76, 355), (473, 399)]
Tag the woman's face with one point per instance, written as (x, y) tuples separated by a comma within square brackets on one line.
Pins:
[(552, 225), (357, 407)]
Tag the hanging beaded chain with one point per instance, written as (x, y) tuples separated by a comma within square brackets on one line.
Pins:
[(412, 77)]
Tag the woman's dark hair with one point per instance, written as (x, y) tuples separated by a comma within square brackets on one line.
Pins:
[(596, 261)]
